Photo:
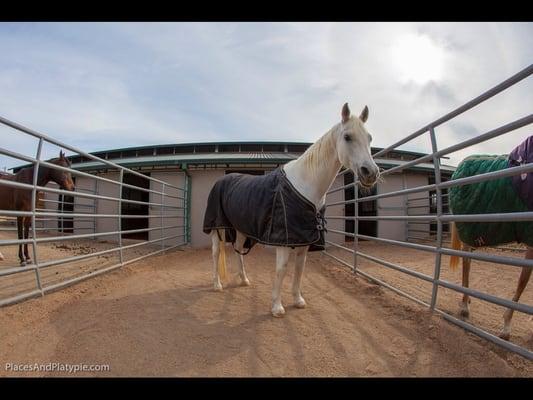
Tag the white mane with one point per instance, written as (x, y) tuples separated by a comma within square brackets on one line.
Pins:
[(320, 151)]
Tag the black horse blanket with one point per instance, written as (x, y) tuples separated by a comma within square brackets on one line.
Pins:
[(267, 209)]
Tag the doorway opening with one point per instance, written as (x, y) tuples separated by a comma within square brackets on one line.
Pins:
[(135, 208), (365, 209)]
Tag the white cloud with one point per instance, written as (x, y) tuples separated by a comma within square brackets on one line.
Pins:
[(105, 85)]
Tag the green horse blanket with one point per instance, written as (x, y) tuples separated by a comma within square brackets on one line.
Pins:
[(494, 196)]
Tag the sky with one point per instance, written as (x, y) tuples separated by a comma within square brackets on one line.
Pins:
[(100, 86)]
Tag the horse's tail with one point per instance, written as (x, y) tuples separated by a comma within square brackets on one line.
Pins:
[(222, 255), (456, 245)]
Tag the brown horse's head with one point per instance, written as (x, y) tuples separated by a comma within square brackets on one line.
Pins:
[(62, 178)]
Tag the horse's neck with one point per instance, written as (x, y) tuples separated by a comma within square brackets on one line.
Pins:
[(313, 173), (42, 179)]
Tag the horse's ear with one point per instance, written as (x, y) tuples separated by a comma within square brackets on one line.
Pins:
[(364, 114), (345, 112)]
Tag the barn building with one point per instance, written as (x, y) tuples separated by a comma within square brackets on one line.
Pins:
[(196, 166)]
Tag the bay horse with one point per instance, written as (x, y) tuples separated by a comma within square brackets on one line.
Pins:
[(15, 199), (504, 195), (346, 144), (525, 274)]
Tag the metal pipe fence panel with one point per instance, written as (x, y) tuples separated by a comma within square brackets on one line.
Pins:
[(109, 216), (423, 206)]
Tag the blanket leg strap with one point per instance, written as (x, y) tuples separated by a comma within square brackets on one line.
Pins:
[(238, 252)]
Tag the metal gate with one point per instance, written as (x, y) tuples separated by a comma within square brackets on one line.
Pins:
[(441, 216), (92, 215)]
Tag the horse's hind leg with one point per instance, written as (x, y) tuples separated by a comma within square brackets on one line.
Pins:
[(282, 258), (215, 248), (239, 246), (20, 232), (522, 283), (301, 254), (465, 312)]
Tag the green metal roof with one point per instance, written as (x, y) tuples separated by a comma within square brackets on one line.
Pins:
[(228, 158), (157, 146), (205, 158), (177, 145)]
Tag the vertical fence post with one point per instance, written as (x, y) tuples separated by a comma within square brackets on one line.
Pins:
[(187, 207), (95, 206), (33, 207), (161, 214), (406, 205), (185, 218), (120, 218), (436, 164), (62, 202), (355, 223)]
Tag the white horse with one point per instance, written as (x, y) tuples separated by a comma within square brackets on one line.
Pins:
[(312, 174)]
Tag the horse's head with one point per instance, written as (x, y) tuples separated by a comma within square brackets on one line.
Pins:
[(353, 147), (62, 178)]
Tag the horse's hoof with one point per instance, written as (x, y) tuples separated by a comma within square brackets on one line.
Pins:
[(23, 263), (300, 303), (504, 335), (28, 261), (245, 282), (465, 313), (218, 288), (278, 312)]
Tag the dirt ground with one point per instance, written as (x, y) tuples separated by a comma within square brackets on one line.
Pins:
[(160, 317)]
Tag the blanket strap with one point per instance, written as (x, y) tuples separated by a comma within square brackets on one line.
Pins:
[(233, 245), (238, 252)]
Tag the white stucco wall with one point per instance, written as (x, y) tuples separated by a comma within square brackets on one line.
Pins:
[(108, 206), (338, 210), (49, 223), (84, 205), (396, 230), (202, 182), (175, 178)]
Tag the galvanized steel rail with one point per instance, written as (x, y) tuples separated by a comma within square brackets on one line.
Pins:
[(174, 203), (440, 218)]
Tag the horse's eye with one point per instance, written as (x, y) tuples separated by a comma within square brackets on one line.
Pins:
[(369, 137), (347, 137)]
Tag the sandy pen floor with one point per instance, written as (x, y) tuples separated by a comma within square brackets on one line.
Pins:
[(495, 279), (26, 282), (160, 317)]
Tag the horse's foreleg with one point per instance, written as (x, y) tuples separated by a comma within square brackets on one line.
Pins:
[(27, 223), (239, 246), (522, 283), (301, 254), (20, 233), (282, 258), (215, 248), (465, 312)]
